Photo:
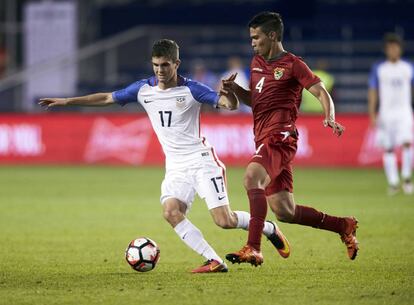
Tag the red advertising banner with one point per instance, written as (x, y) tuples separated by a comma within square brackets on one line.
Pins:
[(56, 138)]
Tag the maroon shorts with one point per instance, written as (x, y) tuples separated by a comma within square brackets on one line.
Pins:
[(275, 154)]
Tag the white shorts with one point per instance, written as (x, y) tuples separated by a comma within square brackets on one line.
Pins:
[(206, 178), (393, 133)]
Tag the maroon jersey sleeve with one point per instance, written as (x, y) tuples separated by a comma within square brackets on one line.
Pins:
[(303, 74)]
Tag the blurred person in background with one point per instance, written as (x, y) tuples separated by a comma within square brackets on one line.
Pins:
[(310, 103), (235, 66), (390, 90), (202, 74)]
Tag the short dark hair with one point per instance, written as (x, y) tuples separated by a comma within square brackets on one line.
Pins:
[(392, 38), (268, 22), (166, 48)]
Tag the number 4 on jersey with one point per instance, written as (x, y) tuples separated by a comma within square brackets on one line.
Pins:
[(260, 84)]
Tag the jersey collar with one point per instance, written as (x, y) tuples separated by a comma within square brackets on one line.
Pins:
[(278, 56)]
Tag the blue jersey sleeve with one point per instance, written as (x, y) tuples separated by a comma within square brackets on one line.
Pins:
[(202, 93), (128, 94), (373, 77)]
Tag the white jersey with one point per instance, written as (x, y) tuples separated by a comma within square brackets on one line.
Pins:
[(394, 81), (175, 116)]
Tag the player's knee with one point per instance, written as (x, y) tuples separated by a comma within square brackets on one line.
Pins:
[(173, 216), (251, 180)]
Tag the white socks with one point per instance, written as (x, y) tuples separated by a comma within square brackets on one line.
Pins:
[(407, 160), (193, 238), (391, 168), (243, 219)]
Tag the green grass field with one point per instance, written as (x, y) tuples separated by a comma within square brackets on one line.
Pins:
[(63, 232)]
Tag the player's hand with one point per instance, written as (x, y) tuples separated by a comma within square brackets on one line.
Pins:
[(228, 85), (337, 128), (374, 121), (52, 102)]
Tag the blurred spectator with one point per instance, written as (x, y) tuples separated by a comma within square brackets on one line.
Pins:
[(235, 65), (310, 104), (201, 74)]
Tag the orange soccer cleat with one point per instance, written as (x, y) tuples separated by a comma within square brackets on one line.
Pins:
[(211, 266), (247, 254), (349, 237), (279, 241)]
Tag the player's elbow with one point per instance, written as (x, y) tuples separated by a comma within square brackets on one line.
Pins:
[(108, 100), (104, 99)]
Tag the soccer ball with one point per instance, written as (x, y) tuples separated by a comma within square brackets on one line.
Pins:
[(142, 254)]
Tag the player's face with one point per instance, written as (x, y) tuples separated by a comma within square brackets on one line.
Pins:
[(261, 42), (165, 69), (393, 51)]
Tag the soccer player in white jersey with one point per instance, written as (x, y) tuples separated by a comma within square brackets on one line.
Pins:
[(391, 82), (173, 104)]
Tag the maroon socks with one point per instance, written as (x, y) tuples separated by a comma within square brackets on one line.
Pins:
[(258, 212), (308, 216)]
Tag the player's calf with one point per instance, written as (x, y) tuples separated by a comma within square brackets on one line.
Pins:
[(224, 217)]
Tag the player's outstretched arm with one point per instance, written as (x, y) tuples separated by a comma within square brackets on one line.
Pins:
[(96, 99), (230, 86), (319, 91)]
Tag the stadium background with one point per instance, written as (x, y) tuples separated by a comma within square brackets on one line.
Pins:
[(67, 48), (64, 225)]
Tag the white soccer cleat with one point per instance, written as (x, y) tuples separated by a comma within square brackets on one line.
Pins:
[(408, 188)]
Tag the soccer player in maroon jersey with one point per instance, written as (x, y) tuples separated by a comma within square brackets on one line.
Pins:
[(277, 80)]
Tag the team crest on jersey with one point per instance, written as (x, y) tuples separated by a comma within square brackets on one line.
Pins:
[(180, 101), (278, 73)]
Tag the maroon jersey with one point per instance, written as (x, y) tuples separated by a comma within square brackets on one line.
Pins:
[(276, 87)]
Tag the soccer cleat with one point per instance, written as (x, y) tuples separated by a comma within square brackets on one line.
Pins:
[(279, 241), (211, 266), (392, 190), (246, 255), (349, 237), (408, 188)]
